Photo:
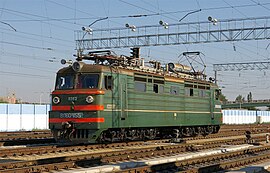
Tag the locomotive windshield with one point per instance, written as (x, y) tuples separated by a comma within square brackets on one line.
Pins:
[(88, 81), (64, 82), (84, 81)]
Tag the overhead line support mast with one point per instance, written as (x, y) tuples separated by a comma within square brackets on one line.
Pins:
[(240, 67), (174, 34)]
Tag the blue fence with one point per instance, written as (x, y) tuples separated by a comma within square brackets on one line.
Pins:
[(15, 117), (245, 116)]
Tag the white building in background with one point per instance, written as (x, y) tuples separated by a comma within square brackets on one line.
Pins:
[(9, 99)]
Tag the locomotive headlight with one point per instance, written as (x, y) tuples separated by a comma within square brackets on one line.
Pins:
[(56, 100), (89, 99)]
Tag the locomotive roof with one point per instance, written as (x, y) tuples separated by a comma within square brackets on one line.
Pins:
[(97, 68), (86, 68)]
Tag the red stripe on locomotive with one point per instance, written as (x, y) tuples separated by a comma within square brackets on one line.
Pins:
[(79, 108), (77, 120), (79, 92)]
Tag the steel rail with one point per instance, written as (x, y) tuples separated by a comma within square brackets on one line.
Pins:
[(113, 156)]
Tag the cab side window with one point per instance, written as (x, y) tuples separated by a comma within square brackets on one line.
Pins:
[(155, 88), (217, 94), (174, 90), (140, 86), (108, 82)]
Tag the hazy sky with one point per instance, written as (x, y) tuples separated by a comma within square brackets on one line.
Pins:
[(36, 34)]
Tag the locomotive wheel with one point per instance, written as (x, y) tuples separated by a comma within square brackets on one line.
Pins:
[(204, 131), (210, 129), (122, 135), (128, 134), (151, 133)]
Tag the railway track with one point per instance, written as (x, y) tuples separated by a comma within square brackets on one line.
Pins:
[(82, 156), (25, 135), (40, 136), (55, 157), (22, 151), (212, 163)]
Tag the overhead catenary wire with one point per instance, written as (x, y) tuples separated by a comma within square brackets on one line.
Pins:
[(26, 15), (46, 12), (175, 12), (38, 39), (131, 4), (235, 8), (24, 75), (30, 57), (70, 8), (169, 52), (25, 45), (36, 68), (128, 16), (189, 14), (40, 36), (133, 15), (258, 3), (8, 25)]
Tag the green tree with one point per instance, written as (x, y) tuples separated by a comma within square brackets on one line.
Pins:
[(240, 99), (252, 108), (223, 98), (2, 101), (249, 97)]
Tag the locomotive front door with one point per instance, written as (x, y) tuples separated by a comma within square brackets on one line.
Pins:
[(212, 104), (116, 100), (120, 100), (124, 99)]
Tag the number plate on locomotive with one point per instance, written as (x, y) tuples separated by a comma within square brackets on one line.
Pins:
[(71, 115)]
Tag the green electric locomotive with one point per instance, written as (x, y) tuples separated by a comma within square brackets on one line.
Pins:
[(119, 98)]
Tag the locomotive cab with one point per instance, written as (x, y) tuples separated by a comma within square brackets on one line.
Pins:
[(76, 103)]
